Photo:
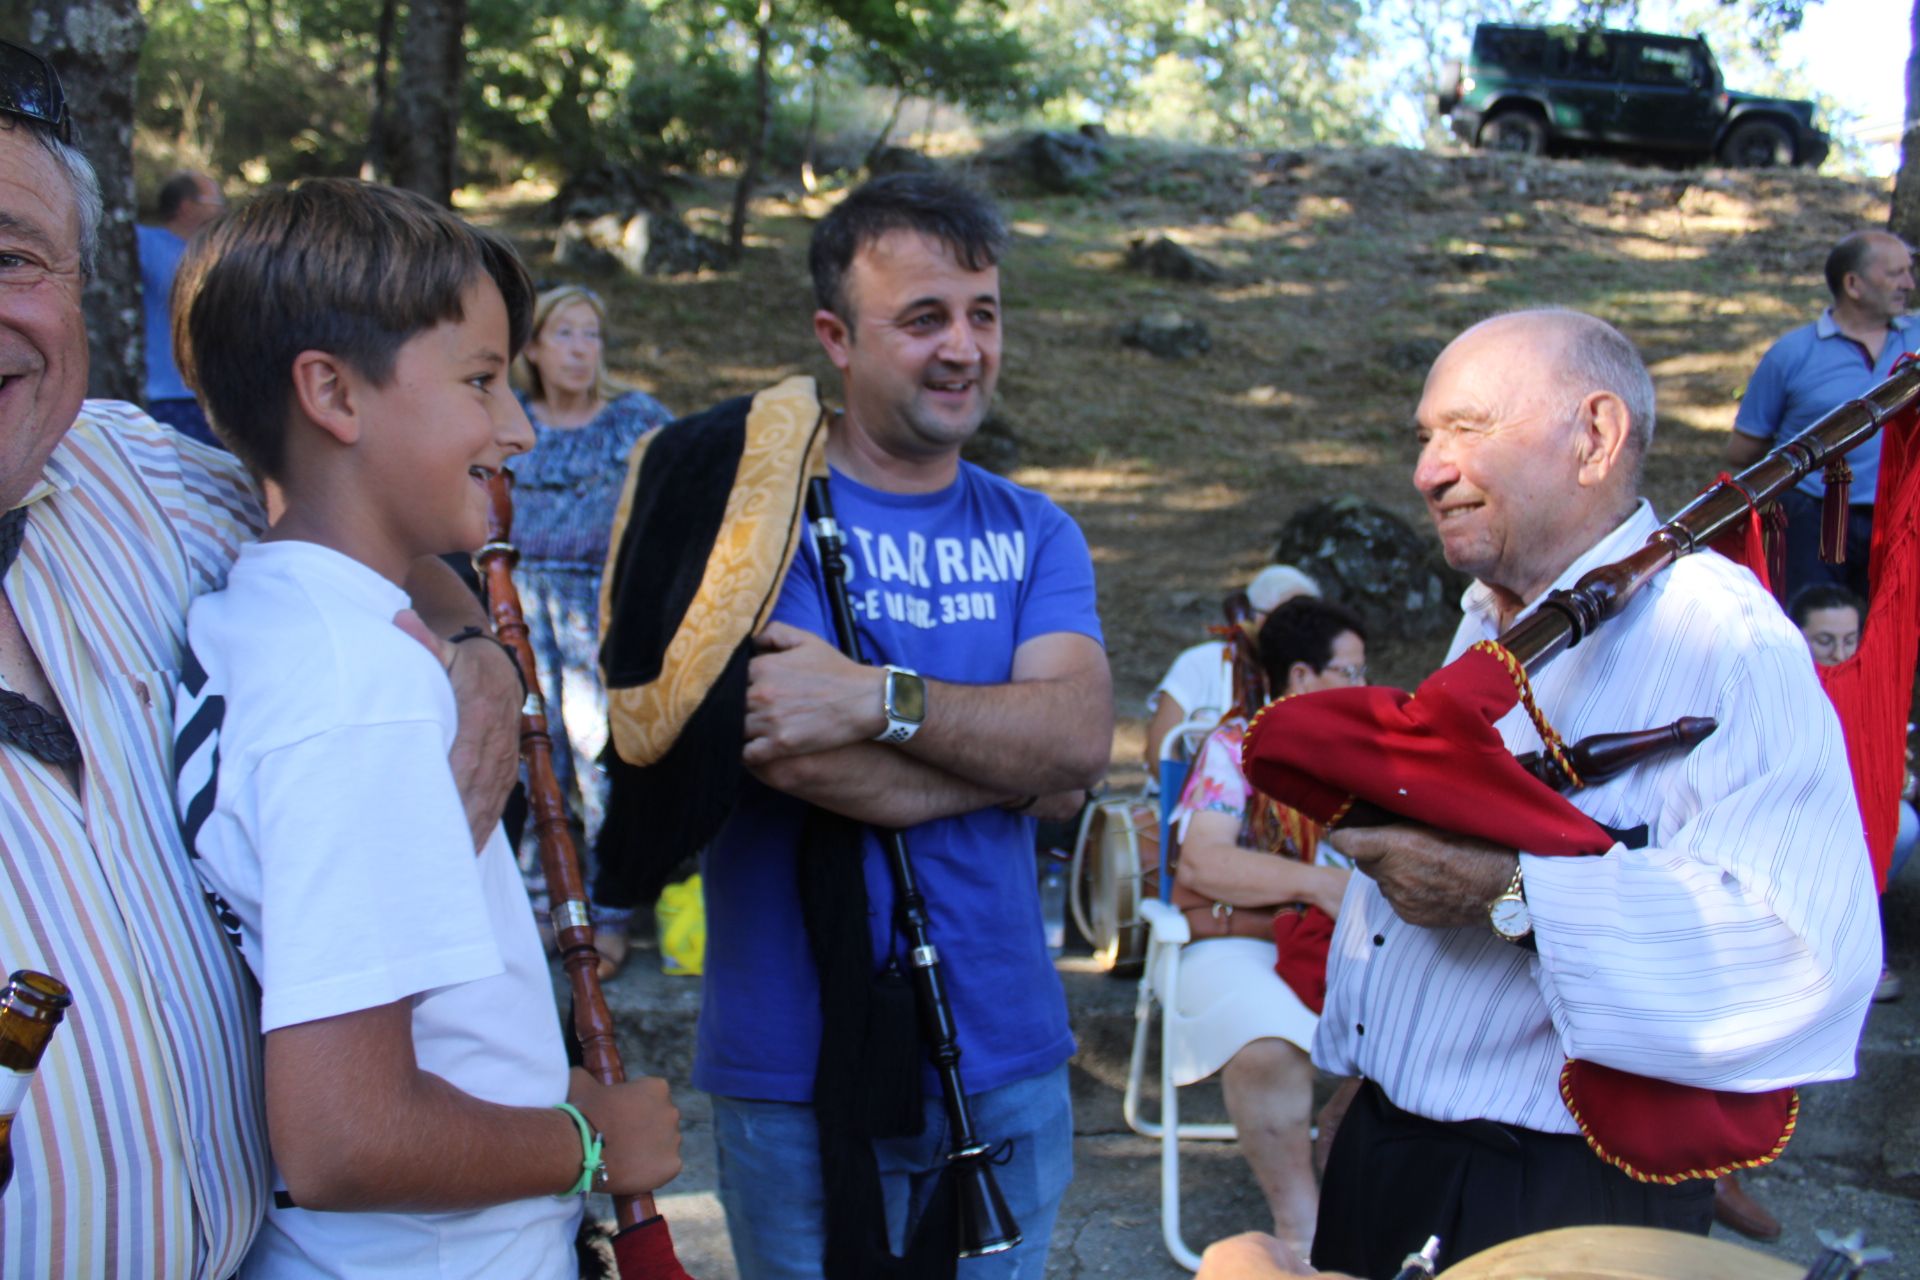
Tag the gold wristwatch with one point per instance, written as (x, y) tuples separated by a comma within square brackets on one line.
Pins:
[(1508, 913)]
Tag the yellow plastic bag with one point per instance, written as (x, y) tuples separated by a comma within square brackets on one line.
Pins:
[(681, 916)]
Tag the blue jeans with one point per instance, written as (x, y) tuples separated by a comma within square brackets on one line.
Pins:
[(1903, 841), (770, 1177)]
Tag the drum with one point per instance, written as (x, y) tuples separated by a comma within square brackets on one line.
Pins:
[(1620, 1253), (1116, 860)]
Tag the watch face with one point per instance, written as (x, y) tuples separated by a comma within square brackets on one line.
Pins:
[(1510, 916), (906, 697)]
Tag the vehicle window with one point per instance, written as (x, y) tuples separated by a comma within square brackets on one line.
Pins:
[(1661, 64), (1582, 55), (1514, 52)]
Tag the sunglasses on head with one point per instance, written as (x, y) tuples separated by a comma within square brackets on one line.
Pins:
[(29, 88)]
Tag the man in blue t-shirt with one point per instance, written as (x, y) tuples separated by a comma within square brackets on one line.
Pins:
[(1814, 370), (187, 202), (988, 704)]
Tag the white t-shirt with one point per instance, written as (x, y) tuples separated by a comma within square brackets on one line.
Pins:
[(1201, 679), (312, 775)]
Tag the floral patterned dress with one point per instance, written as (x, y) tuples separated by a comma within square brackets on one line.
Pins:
[(565, 491)]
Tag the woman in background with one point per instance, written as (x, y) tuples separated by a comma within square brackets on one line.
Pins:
[(565, 490), (1240, 856)]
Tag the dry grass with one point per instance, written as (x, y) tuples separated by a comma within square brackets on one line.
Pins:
[(1346, 271)]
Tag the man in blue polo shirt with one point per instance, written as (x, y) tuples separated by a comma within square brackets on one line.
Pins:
[(187, 202), (1815, 369)]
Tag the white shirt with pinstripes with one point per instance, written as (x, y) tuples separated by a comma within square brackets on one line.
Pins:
[(1736, 950), (140, 1152)]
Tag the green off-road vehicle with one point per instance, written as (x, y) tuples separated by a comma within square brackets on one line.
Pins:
[(1532, 89)]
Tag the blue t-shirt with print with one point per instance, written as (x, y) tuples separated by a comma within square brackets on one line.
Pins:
[(948, 584)]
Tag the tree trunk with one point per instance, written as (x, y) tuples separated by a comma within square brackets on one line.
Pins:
[(426, 117), (378, 161), (95, 46), (763, 127), (893, 118), (808, 178), (1905, 221)]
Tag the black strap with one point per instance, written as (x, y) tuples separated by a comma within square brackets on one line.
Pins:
[(23, 722)]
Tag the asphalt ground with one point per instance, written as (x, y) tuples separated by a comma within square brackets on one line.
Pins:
[(1854, 1162)]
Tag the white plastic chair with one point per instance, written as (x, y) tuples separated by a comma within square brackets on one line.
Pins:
[(1167, 932)]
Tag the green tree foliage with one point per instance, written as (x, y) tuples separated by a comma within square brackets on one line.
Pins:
[(274, 88), (1229, 71), (269, 87)]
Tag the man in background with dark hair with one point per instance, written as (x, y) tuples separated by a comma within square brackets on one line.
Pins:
[(994, 706), (187, 202), (1847, 351)]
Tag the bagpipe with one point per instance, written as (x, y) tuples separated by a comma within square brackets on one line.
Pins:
[(1351, 756), (643, 1246)]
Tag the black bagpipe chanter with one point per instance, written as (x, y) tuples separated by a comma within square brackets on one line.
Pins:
[(1368, 755), (642, 1248)]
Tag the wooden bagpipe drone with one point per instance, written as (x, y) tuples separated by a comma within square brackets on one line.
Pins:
[(643, 1247)]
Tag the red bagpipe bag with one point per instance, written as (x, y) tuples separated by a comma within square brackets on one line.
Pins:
[(1434, 756)]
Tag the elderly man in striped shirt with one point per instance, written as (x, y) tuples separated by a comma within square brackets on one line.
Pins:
[(1730, 944), (140, 1151)]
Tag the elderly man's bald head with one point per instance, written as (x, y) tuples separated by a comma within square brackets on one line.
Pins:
[(1532, 426), (1586, 355)]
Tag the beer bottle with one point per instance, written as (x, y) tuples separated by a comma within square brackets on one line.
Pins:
[(30, 1008)]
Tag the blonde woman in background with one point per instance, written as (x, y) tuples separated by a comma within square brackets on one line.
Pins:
[(585, 425)]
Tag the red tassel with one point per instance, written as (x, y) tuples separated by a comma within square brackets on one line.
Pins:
[(1773, 532), (1833, 512)]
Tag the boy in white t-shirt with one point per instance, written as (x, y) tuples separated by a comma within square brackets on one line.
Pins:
[(350, 343)]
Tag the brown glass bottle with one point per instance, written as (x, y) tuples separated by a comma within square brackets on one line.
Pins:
[(30, 1008)]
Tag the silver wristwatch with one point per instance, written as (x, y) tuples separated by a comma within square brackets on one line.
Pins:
[(903, 700)]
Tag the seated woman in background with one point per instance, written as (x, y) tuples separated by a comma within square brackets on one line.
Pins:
[(1243, 855), (584, 426)]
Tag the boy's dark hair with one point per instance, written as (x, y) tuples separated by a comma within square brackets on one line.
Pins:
[(174, 192), (1823, 595), (350, 268), (949, 211), (1303, 629)]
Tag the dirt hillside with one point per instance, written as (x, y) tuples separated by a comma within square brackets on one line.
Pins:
[(1343, 273)]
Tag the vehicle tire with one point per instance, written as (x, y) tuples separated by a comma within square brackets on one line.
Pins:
[(1757, 144), (1514, 129), (1447, 96)]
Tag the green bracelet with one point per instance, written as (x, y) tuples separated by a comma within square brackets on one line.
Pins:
[(590, 1144)]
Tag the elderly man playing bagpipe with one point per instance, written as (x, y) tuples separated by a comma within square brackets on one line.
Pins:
[(1547, 1041)]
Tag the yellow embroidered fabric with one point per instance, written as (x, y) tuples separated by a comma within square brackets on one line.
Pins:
[(786, 445)]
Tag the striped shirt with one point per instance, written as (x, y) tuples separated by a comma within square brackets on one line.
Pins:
[(141, 1149), (1735, 950)]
